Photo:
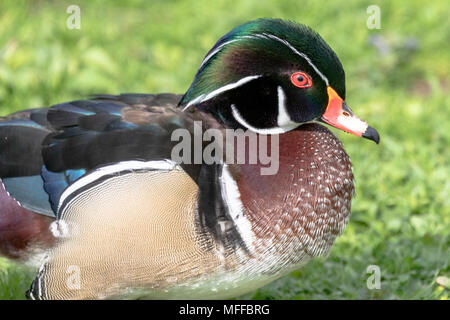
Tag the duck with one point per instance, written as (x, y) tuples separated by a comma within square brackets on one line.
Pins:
[(92, 191)]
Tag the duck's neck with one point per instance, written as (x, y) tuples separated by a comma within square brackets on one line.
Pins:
[(307, 202)]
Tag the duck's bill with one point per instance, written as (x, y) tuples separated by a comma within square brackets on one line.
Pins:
[(339, 115)]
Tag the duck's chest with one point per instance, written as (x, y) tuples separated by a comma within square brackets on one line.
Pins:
[(297, 213)]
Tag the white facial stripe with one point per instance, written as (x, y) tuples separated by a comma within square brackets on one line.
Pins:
[(206, 59), (276, 130), (229, 87), (268, 36), (284, 120), (115, 168), (215, 51), (300, 54), (212, 94)]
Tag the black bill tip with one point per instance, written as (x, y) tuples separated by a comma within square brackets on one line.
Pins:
[(371, 134)]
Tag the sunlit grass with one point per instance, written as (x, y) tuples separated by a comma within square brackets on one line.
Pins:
[(15, 280)]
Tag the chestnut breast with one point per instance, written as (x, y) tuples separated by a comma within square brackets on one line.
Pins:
[(306, 204)]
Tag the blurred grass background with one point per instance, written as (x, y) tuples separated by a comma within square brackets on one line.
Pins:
[(397, 80)]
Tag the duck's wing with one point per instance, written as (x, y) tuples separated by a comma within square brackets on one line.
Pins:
[(21, 137), (43, 151)]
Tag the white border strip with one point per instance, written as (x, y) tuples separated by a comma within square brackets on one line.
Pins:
[(232, 197), (115, 168)]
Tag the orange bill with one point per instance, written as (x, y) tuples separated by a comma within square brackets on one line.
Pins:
[(339, 115)]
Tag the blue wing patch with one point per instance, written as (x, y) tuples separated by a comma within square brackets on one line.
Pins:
[(56, 182), (30, 193)]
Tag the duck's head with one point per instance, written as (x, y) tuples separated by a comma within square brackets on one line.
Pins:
[(271, 76)]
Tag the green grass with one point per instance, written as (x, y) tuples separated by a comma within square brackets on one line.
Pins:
[(401, 214), (14, 280)]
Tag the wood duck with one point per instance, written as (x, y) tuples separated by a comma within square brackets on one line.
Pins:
[(91, 187)]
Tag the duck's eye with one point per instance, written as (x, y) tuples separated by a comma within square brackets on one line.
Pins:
[(301, 80)]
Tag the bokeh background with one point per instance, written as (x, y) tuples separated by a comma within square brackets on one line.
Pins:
[(397, 80)]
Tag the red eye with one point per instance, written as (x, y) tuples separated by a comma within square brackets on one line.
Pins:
[(301, 80)]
